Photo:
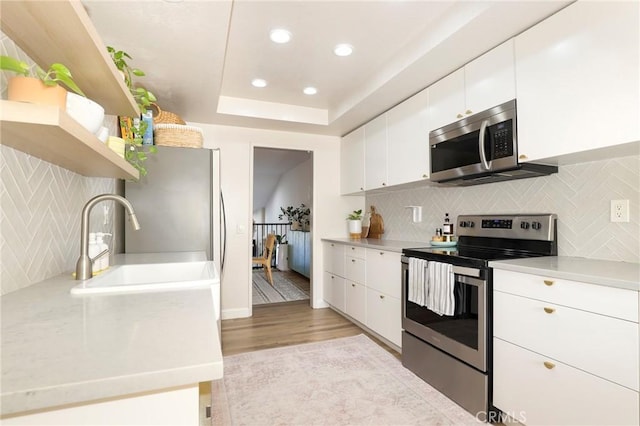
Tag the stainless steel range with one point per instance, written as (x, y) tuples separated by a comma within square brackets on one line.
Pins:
[(447, 302)]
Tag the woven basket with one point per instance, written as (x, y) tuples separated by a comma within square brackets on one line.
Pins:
[(177, 135), (164, 117)]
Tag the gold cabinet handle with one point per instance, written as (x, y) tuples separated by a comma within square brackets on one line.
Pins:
[(353, 285), (522, 157), (468, 112), (459, 116), (384, 184), (361, 189), (381, 296), (381, 253), (425, 176), (353, 260), (353, 248), (549, 310), (548, 282), (549, 365)]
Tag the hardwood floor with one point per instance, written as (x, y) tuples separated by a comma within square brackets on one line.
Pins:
[(285, 324)]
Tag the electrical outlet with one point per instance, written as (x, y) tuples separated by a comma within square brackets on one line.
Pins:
[(619, 210)]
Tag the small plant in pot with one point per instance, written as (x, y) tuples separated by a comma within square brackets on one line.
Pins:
[(354, 221), (298, 216), (38, 86), (282, 259)]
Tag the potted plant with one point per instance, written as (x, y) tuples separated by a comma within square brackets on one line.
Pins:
[(298, 216), (282, 252), (134, 129), (354, 221), (37, 85)]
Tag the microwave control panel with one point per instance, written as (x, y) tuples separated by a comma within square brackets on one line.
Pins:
[(502, 139)]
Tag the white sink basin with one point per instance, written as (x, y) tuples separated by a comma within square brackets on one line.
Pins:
[(151, 277)]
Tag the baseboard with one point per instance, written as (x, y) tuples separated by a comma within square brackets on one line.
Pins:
[(236, 313)]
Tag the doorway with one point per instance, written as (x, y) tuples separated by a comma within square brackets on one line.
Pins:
[(282, 193)]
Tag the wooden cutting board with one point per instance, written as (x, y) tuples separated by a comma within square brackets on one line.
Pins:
[(376, 227)]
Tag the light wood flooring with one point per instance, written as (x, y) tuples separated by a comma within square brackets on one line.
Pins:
[(285, 324)]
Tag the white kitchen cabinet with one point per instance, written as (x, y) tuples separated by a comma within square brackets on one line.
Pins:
[(408, 140), (375, 153), (384, 315), (352, 162), (356, 301), (574, 344), (334, 291), (483, 83), (384, 272), (578, 79), (334, 258)]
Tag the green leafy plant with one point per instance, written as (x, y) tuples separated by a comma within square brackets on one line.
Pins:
[(281, 239), (142, 96), (135, 152), (298, 214), (356, 215), (56, 74)]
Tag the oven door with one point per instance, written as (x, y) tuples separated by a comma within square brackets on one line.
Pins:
[(462, 335)]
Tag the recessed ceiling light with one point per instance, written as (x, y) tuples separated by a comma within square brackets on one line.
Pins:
[(343, 49), (310, 90), (258, 82), (280, 35)]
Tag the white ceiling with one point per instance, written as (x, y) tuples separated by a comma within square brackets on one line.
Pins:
[(200, 56)]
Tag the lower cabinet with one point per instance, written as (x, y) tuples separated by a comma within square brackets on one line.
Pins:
[(365, 284), (565, 352), (300, 252)]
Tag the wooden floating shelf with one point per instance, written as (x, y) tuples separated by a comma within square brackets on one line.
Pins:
[(61, 31), (49, 133)]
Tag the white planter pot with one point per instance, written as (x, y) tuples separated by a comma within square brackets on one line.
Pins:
[(355, 229), (282, 259)]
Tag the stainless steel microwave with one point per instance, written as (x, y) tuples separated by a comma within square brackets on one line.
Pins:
[(481, 148)]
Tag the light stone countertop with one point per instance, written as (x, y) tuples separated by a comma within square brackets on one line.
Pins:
[(624, 275), (61, 349), (379, 244)]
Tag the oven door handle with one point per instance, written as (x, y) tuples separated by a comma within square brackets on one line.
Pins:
[(476, 282)]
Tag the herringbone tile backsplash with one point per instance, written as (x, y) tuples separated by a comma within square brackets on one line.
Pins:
[(579, 194)]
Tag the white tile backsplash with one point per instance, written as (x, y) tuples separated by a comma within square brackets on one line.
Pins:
[(579, 194)]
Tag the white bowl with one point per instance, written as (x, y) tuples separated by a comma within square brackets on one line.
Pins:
[(85, 111)]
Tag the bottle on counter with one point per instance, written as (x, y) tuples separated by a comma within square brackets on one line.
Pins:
[(102, 263), (447, 227), (94, 250)]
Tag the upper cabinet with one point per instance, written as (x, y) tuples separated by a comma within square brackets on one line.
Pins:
[(408, 140), (481, 84), (578, 75), (375, 153), (352, 162), (61, 31)]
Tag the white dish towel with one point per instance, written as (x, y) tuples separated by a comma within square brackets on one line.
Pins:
[(418, 280), (441, 283)]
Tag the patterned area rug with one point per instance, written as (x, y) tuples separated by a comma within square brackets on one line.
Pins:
[(347, 381), (283, 290)]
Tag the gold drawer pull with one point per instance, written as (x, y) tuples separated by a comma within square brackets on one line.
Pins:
[(353, 248), (548, 282), (381, 253), (459, 116), (468, 111), (353, 285), (381, 296), (353, 260), (549, 310), (549, 365), (425, 176), (522, 157)]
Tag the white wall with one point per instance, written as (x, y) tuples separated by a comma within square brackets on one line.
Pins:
[(295, 187), (236, 145)]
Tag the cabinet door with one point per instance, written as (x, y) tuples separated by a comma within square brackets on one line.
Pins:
[(375, 153), (384, 272), (356, 301), (334, 258), (490, 80), (384, 316), (352, 162), (577, 75), (355, 269), (408, 140), (446, 100), (306, 258), (334, 291), (536, 393)]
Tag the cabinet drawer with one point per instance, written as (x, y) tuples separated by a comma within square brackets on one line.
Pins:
[(384, 272), (603, 300), (334, 291), (534, 394), (354, 251), (356, 301), (334, 258), (384, 316), (604, 346), (355, 269)]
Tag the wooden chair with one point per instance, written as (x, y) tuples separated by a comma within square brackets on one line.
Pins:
[(265, 260)]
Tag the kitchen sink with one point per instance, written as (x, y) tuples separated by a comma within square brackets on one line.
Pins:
[(151, 277)]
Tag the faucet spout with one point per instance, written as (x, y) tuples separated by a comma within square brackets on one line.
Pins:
[(84, 266)]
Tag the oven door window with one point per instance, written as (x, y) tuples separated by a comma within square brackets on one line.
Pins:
[(463, 326)]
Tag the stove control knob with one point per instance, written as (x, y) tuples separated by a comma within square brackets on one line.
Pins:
[(471, 224), (463, 224), (524, 225), (536, 225)]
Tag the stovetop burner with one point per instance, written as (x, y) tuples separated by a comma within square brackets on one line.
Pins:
[(483, 238)]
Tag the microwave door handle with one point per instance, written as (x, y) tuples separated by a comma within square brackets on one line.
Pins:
[(483, 157)]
